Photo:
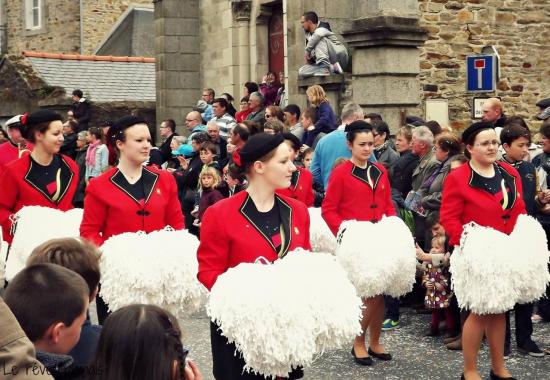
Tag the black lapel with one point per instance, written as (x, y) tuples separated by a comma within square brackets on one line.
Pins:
[(510, 181), (66, 177), (285, 212), (149, 181), (148, 178), (375, 173), (297, 173), (244, 210)]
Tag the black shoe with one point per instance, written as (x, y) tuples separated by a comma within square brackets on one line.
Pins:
[(530, 348), (383, 356), (362, 361), (495, 377), (462, 377)]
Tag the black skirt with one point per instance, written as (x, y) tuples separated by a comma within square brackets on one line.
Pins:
[(229, 364)]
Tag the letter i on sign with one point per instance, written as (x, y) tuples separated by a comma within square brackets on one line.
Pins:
[(479, 64)]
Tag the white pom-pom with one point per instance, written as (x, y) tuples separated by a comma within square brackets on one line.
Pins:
[(298, 307), (159, 268), (493, 271), (321, 237), (532, 249), (36, 225), (379, 258)]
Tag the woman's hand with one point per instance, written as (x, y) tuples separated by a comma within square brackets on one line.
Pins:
[(183, 162), (192, 371)]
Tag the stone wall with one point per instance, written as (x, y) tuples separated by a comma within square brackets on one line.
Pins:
[(519, 30), (99, 18), (218, 58), (61, 32)]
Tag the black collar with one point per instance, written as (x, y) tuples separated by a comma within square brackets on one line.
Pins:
[(375, 174), (148, 178), (509, 180), (285, 213), (64, 180)]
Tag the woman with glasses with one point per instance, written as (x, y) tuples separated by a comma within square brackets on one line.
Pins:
[(488, 192)]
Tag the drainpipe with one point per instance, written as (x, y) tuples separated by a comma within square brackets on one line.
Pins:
[(81, 26)]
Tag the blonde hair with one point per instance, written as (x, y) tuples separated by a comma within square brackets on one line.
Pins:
[(439, 240), (317, 94), (213, 172)]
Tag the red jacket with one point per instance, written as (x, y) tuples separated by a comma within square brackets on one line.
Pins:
[(18, 190), (229, 238), (303, 191), (10, 152), (463, 202), (349, 197), (109, 210)]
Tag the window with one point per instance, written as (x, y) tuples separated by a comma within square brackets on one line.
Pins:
[(33, 14)]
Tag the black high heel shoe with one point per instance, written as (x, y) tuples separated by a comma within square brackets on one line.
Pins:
[(367, 361), (383, 356), (493, 376)]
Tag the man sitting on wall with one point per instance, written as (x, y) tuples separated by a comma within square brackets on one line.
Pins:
[(325, 54)]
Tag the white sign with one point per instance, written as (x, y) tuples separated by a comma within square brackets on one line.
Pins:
[(477, 107), (438, 110)]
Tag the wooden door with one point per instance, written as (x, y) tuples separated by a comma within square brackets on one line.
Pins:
[(276, 41)]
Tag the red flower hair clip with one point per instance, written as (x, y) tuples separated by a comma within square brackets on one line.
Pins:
[(23, 119)]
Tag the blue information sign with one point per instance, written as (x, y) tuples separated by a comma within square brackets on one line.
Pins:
[(481, 73)]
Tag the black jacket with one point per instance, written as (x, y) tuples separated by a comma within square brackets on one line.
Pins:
[(165, 150), (401, 176), (528, 174), (82, 114), (69, 145), (61, 367)]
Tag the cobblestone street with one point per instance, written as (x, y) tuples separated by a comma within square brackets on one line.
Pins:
[(415, 356)]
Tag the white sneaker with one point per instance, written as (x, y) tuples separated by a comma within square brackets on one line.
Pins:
[(323, 73), (337, 68)]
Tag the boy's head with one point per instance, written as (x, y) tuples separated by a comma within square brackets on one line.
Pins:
[(74, 254), (515, 140), (50, 303), (309, 117), (208, 152)]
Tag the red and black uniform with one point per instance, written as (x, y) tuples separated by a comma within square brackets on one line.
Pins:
[(301, 187), (113, 206), (25, 182), (10, 152), (233, 231), (490, 202), (359, 194)]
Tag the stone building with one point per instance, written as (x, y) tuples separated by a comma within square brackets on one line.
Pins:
[(60, 26), (403, 52), (50, 47)]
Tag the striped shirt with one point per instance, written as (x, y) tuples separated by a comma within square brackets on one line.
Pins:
[(226, 124)]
